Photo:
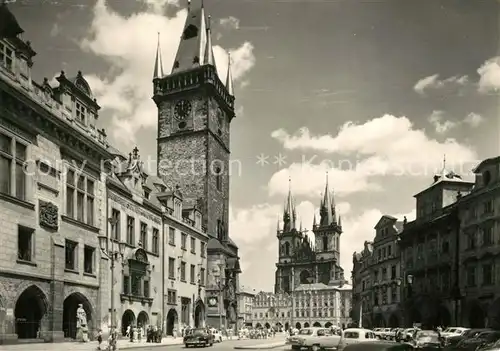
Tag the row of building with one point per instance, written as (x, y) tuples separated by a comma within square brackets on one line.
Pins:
[(85, 224), (441, 268)]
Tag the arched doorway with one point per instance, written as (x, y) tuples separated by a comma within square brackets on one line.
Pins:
[(394, 321), (258, 326), (494, 315), (328, 325), (379, 321), (298, 326), (142, 319), (70, 306), (171, 321), (317, 324), (199, 314), (287, 326), (279, 326), (476, 315), (415, 316), (443, 317), (306, 325), (267, 326), (128, 319), (31, 307)]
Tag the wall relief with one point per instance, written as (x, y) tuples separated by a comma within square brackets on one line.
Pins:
[(48, 215)]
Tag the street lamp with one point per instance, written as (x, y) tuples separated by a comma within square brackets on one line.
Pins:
[(409, 281), (112, 255), (220, 281)]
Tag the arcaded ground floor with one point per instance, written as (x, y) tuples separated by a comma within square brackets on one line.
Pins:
[(285, 325)]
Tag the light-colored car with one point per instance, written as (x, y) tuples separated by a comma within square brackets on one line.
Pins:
[(314, 339), (357, 335), (217, 335), (453, 331)]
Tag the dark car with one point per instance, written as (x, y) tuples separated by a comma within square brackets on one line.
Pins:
[(199, 337), (378, 346), (453, 341), (478, 341)]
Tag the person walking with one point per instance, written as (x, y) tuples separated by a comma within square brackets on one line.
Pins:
[(99, 339)]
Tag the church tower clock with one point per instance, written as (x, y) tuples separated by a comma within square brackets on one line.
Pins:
[(195, 110)]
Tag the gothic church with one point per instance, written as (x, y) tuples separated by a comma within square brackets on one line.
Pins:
[(300, 261)]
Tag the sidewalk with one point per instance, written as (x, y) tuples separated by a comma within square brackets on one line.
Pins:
[(267, 346), (92, 345)]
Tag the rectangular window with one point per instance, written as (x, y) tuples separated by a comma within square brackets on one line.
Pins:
[(81, 112), (144, 235), (471, 276), (88, 259), (487, 236), (136, 283), (192, 274), (82, 188), (183, 241), (130, 230), (171, 268), (487, 274), (146, 288), (71, 255), (171, 236), (202, 276), (116, 224), (171, 297), (25, 241), (193, 245), (126, 284), (12, 151), (6, 57), (156, 241), (183, 271), (202, 249)]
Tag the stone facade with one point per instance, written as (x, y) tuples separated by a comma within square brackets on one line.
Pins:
[(245, 304)]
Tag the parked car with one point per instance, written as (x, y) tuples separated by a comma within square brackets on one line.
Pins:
[(426, 340), (314, 339), (357, 336), (480, 340), (453, 331), (378, 346), (199, 337), (453, 341)]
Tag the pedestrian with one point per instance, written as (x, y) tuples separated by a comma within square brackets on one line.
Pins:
[(99, 339), (127, 333)]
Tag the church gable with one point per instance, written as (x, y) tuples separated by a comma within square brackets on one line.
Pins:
[(385, 221)]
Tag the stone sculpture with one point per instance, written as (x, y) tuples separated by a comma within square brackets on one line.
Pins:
[(82, 331)]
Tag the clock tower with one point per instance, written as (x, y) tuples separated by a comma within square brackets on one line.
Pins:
[(195, 109)]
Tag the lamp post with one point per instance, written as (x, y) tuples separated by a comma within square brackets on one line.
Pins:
[(409, 282), (113, 255), (220, 281)]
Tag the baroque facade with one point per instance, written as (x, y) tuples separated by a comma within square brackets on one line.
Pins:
[(376, 277), (85, 224), (195, 110), (245, 303)]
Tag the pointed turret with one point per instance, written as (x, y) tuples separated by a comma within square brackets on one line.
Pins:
[(229, 77), (314, 220), (191, 51), (158, 70), (208, 59), (327, 207), (289, 214)]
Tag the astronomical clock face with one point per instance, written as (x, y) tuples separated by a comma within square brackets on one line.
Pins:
[(182, 109), (212, 302)]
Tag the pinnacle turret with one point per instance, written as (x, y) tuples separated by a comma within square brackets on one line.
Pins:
[(229, 77), (158, 70)]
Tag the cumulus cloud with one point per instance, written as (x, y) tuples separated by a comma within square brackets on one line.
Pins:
[(254, 230), (382, 146), (126, 91), (489, 76), (440, 123), (433, 82), (473, 119), (230, 22)]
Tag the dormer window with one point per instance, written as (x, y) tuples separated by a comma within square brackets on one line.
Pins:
[(147, 193), (6, 57), (81, 112)]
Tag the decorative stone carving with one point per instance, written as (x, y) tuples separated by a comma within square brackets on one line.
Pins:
[(48, 215)]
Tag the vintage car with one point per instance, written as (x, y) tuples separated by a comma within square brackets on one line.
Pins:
[(453, 341), (199, 337), (357, 336), (378, 346), (314, 339), (426, 340), (479, 341)]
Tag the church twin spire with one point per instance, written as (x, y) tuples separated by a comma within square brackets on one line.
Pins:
[(195, 47), (327, 209), (289, 215)]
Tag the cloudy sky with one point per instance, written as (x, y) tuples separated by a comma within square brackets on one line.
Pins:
[(376, 92)]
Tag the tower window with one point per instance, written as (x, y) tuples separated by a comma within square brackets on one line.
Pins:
[(287, 249), (325, 243), (196, 60), (218, 179)]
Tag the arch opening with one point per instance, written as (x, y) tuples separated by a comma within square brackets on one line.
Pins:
[(258, 325), (267, 325), (142, 319), (199, 314), (298, 325), (494, 314), (317, 324), (305, 277), (287, 326), (171, 321), (70, 306), (476, 316), (128, 319), (379, 321), (443, 317), (328, 324), (30, 309), (394, 321), (306, 325)]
